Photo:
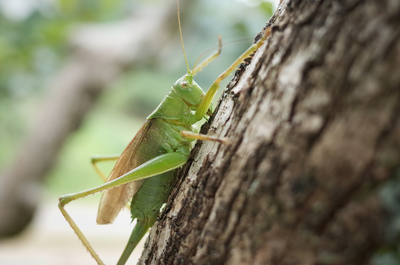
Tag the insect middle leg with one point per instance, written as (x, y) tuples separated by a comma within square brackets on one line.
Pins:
[(96, 159)]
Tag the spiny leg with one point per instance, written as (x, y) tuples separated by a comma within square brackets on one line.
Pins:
[(204, 105), (94, 160), (155, 166), (80, 234)]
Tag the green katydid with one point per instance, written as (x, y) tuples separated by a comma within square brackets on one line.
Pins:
[(146, 170)]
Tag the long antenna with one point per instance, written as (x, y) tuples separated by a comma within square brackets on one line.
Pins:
[(180, 33)]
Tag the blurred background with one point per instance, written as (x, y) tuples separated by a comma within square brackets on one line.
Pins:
[(78, 78)]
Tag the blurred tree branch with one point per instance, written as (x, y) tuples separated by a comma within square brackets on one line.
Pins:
[(99, 54)]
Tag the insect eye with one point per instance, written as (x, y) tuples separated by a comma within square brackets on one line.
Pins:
[(184, 85)]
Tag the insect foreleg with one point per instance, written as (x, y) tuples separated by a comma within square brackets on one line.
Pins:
[(204, 105), (203, 137), (208, 60)]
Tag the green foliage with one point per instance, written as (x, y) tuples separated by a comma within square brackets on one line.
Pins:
[(131, 94), (92, 10), (32, 49), (267, 8)]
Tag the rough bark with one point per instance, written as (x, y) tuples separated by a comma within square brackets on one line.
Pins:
[(312, 173)]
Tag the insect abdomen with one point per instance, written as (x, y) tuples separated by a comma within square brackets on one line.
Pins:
[(152, 195)]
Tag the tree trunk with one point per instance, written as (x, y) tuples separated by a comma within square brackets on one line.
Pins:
[(312, 171)]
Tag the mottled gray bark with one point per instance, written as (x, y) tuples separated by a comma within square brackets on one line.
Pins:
[(313, 170)]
